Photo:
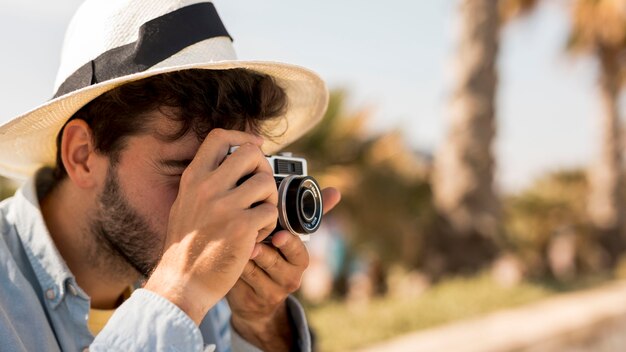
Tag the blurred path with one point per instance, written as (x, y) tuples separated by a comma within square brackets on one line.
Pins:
[(592, 320)]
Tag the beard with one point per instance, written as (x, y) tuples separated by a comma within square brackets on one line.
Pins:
[(124, 242)]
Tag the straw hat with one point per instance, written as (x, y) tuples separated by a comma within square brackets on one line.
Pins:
[(110, 43)]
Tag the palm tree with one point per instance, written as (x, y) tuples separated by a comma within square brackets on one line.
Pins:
[(464, 166), (599, 29)]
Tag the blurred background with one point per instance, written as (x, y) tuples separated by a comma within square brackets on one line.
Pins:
[(477, 143)]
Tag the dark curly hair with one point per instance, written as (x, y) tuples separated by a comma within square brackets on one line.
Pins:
[(202, 100)]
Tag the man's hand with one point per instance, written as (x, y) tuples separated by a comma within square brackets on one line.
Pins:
[(212, 229), (257, 301)]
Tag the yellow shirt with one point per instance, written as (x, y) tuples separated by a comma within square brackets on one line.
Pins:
[(98, 318)]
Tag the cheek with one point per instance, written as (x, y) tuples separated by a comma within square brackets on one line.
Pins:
[(157, 202), (152, 198)]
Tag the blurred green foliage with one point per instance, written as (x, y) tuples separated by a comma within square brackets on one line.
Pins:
[(554, 206), (533, 217), (386, 197)]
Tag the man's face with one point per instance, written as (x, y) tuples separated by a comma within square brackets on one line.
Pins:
[(132, 210)]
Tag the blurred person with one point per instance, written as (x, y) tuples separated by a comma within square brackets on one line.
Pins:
[(317, 281), (327, 252), (134, 225)]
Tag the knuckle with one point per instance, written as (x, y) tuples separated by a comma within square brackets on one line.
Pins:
[(248, 150), (251, 271), (305, 258), (252, 152), (273, 211), (259, 153), (270, 210), (267, 230), (261, 177), (293, 285), (304, 254), (290, 246), (254, 180), (270, 180), (187, 176), (273, 262), (275, 298), (265, 179), (217, 133), (264, 233)]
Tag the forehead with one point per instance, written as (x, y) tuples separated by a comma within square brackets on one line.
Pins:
[(163, 122), (157, 135)]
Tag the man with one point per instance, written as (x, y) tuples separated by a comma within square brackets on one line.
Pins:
[(149, 99)]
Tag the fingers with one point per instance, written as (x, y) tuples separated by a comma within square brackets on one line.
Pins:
[(242, 165), (248, 159), (249, 163), (269, 288), (266, 231), (292, 248), (331, 197), (259, 296), (263, 218), (257, 189), (268, 264), (215, 147), (269, 259)]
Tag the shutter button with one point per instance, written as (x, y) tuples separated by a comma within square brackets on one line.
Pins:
[(50, 294)]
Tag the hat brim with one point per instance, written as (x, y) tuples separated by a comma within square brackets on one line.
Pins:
[(28, 142)]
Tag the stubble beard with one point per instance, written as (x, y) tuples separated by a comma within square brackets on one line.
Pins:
[(124, 243)]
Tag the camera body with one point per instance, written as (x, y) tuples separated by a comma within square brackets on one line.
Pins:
[(299, 196)]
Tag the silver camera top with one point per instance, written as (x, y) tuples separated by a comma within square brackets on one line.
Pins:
[(283, 164)]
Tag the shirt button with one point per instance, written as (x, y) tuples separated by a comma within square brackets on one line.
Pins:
[(50, 294)]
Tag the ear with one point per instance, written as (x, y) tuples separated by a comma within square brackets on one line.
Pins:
[(82, 163)]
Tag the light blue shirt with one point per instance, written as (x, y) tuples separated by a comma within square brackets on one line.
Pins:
[(43, 309)]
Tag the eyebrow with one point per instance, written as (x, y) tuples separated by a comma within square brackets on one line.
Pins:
[(175, 163)]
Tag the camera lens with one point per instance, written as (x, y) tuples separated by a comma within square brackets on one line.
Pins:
[(307, 205), (299, 204)]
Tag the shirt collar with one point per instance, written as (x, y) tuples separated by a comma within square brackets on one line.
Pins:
[(49, 267)]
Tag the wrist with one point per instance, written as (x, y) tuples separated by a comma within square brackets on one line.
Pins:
[(192, 300), (273, 332)]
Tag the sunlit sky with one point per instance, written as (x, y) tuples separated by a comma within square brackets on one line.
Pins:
[(393, 57)]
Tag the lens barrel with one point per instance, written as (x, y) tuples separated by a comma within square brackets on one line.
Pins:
[(299, 204)]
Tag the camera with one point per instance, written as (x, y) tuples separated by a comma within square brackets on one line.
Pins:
[(299, 196)]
